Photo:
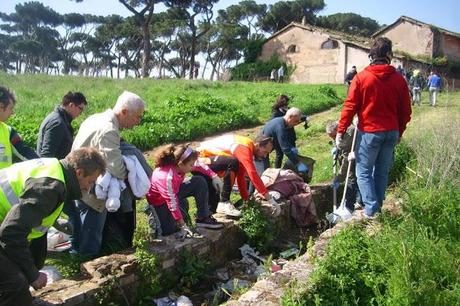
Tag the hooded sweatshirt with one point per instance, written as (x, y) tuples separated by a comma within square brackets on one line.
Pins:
[(380, 97)]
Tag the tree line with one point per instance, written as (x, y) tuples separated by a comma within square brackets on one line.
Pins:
[(36, 39)]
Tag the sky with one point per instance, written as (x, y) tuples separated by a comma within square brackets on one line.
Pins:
[(442, 13)]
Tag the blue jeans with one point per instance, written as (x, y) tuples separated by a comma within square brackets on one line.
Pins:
[(72, 212), (374, 158), (92, 226)]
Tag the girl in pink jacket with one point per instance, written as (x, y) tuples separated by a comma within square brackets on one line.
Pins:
[(169, 188)]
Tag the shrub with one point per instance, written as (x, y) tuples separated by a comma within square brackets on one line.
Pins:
[(403, 155), (257, 227), (255, 70)]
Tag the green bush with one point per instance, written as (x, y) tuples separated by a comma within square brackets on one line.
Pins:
[(403, 155), (256, 226), (397, 266), (255, 70)]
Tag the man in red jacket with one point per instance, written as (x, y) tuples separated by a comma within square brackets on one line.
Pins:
[(380, 97)]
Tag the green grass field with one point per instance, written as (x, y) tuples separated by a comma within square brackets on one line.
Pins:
[(177, 110)]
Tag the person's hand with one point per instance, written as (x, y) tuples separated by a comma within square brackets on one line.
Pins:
[(351, 156), (217, 183), (40, 282), (355, 121), (335, 184), (301, 167), (335, 152), (185, 232), (295, 151), (338, 139), (276, 208)]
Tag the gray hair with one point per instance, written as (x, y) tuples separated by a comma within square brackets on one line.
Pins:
[(129, 101), (331, 126), (294, 112)]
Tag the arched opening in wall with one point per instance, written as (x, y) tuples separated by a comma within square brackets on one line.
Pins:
[(330, 44), (292, 49)]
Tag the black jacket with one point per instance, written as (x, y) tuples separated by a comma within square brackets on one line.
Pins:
[(39, 199), (55, 137)]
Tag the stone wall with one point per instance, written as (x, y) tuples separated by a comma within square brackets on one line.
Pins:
[(114, 275), (269, 291)]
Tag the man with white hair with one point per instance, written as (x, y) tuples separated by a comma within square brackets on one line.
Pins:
[(102, 131), (281, 129)]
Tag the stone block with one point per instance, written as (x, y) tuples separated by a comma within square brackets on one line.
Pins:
[(168, 263)]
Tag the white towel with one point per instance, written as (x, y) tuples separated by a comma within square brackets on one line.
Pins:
[(104, 181), (114, 189), (112, 204), (100, 193), (137, 178)]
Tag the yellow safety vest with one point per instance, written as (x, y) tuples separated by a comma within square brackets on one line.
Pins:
[(6, 151), (12, 180)]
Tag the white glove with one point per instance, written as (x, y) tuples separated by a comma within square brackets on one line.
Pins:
[(276, 208), (355, 121), (351, 156), (112, 204), (217, 183), (338, 139), (185, 232)]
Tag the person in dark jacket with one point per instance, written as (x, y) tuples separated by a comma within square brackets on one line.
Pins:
[(280, 107), (281, 129), (12, 148), (36, 191), (55, 139), (55, 136)]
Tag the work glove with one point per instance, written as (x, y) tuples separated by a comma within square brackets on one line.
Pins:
[(276, 208), (301, 167), (184, 232), (112, 204), (217, 183), (295, 151), (335, 153), (355, 121), (351, 156), (338, 139), (63, 225), (335, 184)]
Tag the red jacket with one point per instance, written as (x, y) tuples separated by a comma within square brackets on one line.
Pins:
[(380, 97)]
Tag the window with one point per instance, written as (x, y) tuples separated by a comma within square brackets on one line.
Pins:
[(330, 44), (292, 49)]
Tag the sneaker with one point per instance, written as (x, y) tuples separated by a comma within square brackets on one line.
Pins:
[(209, 222), (358, 206), (228, 209)]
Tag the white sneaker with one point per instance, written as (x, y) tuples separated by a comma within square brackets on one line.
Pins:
[(228, 209)]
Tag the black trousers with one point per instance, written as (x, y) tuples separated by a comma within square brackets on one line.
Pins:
[(230, 165), (14, 286)]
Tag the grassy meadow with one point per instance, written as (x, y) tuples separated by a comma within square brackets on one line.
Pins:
[(177, 110), (410, 258)]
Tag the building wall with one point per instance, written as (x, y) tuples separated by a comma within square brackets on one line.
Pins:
[(313, 64), (356, 57), (411, 38), (450, 46)]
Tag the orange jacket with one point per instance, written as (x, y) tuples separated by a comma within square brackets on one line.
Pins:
[(242, 148)]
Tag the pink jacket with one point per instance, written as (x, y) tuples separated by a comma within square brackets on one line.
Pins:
[(165, 183)]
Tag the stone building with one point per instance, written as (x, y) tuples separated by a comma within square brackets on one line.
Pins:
[(321, 55), (421, 39)]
